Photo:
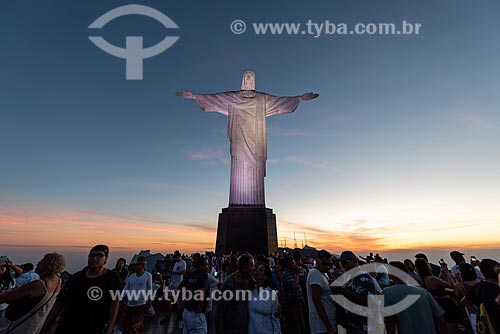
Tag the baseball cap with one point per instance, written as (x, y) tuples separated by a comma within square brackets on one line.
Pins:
[(456, 254), (347, 255), (102, 248)]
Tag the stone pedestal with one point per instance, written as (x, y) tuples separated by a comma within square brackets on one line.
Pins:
[(247, 229)]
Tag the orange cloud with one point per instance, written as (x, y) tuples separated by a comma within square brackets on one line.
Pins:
[(355, 237), (68, 228)]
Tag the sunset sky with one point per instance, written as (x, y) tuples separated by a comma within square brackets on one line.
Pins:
[(400, 151)]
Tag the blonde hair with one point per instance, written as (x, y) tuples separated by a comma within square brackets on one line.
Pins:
[(51, 264)]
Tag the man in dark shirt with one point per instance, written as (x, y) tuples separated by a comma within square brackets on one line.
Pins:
[(232, 315), (292, 296), (198, 290), (85, 301), (304, 271), (356, 290)]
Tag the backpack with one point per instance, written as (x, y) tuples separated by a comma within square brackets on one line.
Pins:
[(484, 325)]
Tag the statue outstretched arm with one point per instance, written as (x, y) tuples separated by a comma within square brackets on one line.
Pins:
[(308, 96), (210, 102), (186, 95), (285, 104)]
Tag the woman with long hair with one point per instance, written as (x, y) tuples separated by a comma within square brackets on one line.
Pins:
[(437, 287), (30, 304), (121, 270)]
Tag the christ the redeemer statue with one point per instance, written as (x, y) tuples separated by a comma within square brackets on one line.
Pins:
[(247, 111)]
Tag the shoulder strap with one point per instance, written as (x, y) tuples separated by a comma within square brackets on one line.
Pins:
[(9, 329), (45, 285)]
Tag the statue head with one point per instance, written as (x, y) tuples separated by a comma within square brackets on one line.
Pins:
[(248, 84)]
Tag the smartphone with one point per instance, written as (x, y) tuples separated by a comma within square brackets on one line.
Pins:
[(216, 274), (3, 260)]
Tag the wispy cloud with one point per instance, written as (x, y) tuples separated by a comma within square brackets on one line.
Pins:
[(305, 162), (302, 227), (476, 120), (205, 228), (209, 155)]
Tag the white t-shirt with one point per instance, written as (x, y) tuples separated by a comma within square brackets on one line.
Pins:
[(177, 278), (317, 325), (138, 289)]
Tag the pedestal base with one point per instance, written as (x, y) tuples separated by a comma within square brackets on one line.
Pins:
[(244, 229)]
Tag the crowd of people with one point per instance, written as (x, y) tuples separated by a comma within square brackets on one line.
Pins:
[(282, 293)]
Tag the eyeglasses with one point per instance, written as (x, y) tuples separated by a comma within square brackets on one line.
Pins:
[(96, 255)]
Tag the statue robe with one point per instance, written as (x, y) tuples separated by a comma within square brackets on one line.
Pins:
[(247, 135)]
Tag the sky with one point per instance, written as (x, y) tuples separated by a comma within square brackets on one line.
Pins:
[(399, 153)]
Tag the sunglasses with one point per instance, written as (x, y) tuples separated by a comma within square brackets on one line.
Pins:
[(96, 255)]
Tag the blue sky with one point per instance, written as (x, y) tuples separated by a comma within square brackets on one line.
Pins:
[(402, 141)]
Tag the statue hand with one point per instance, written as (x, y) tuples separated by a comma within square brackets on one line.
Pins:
[(185, 94), (308, 96)]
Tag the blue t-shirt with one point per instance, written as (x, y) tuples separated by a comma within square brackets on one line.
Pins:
[(419, 317)]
